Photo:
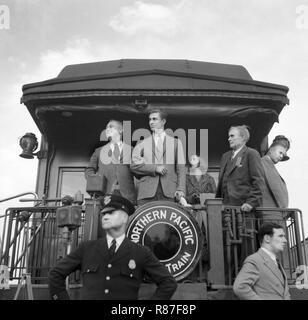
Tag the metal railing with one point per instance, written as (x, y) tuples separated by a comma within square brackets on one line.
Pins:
[(240, 238), (32, 240)]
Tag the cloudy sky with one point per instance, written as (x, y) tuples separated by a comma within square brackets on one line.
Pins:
[(269, 38)]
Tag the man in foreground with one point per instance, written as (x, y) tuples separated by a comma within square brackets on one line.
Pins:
[(112, 267), (262, 276)]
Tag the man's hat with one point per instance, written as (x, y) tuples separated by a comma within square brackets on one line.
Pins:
[(284, 142), (113, 202)]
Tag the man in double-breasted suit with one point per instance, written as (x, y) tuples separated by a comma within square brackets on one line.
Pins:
[(159, 162), (240, 181), (113, 267), (262, 276), (112, 163), (275, 193)]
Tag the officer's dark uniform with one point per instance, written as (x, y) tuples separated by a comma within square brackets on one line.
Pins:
[(115, 278)]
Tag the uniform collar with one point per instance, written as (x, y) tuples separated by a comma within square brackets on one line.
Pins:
[(119, 240)]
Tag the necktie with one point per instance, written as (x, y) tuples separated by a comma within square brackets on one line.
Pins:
[(280, 268), (116, 152), (112, 248), (160, 147)]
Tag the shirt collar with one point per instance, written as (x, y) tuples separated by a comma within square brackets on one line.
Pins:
[(119, 240), (237, 151), (271, 254), (161, 134), (120, 144)]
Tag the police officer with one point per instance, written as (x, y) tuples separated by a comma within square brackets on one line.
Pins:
[(112, 267)]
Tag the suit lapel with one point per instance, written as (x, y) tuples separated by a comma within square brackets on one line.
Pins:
[(272, 266), (234, 161), (122, 251), (225, 161), (165, 144), (102, 247), (125, 153)]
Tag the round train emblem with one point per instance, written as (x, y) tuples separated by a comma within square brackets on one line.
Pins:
[(170, 232)]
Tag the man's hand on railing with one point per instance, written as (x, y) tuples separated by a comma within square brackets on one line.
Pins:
[(246, 207)]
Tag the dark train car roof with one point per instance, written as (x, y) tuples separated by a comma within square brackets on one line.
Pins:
[(134, 65), (133, 74), (192, 93)]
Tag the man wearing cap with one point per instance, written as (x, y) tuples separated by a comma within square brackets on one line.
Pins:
[(112, 267), (112, 163), (275, 193)]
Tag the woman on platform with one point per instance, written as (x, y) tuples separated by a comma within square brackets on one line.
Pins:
[(198, 181)]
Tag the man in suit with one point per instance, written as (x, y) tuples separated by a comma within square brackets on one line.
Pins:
[(112, 163), (240, 181), (112, 268), (275, 193), (262, 276), (160, 163)]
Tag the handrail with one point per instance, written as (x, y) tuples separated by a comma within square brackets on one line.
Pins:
[(8, 211), (17, 196), (297, 243)]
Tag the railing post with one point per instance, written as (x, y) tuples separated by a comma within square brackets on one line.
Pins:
[(9, 233), (216, 273), (298, 240)]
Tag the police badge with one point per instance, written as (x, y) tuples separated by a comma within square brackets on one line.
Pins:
[(107, 199), (132, 264)]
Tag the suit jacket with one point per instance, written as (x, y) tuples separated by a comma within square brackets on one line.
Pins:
[(245, 180), (144, 163), (261, 279), (114, 171), (117, 278), (275, 193)]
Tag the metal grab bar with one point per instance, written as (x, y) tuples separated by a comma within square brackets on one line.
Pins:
[(17, 196)]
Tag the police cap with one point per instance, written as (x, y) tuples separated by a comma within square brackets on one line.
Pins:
[(113, 202)]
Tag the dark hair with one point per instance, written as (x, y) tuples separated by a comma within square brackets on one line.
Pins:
[(281, 141), (163, 114), (267, 229)]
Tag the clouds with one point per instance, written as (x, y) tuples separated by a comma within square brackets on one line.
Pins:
[(51, 62), (144, 17)]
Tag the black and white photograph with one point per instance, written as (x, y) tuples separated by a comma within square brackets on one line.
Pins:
[(153, 150)]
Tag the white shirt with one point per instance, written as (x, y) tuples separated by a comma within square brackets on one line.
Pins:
[(120, 144), (159, 135), (271, 254), (237, 151), (118, 240)]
